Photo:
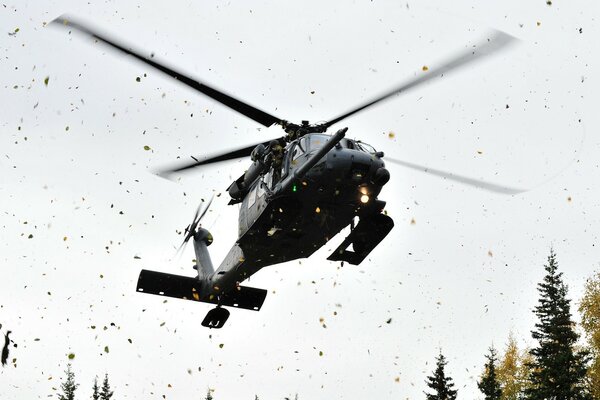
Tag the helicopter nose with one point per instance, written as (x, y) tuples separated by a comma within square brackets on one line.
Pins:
[(381, 176)]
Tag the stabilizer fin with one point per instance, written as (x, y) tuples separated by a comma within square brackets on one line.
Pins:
[(187, 288)]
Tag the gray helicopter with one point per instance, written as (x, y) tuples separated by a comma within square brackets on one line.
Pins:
[(300, 191)]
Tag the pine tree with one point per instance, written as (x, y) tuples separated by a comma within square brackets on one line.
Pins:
[(69, 386), (95, 392), (590, 321), (489, 385), (440, 383), (558, 371), (106, 393)]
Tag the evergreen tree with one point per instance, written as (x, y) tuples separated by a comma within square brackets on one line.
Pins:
[(489, 385), (106, 393), (95, 390), (590, 321), (558, 371), (69, 386), (440, 383)]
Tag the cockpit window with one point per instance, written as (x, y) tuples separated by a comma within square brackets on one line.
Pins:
[(303, 144), (317, 141), (298, 151), (365, 147), (347, 143)]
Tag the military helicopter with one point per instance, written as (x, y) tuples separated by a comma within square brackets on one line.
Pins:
[(300, 191)]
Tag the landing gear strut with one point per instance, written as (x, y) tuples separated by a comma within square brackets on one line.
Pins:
[(216, 318)]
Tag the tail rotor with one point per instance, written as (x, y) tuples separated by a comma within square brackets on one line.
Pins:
[(190, 230)]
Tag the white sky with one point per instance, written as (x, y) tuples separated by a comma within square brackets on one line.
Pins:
[(434, 278)]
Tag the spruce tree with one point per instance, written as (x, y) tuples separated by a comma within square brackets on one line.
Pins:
[(440, 383), (106, 393), (558, 371), (95, 390), (69, 386), (489, 385)]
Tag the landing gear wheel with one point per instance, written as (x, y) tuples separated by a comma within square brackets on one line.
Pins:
[(216, 318)]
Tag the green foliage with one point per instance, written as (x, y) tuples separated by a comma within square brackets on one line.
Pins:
[(590, 321), (106, 393), (558, 371), (489, 385), (69, 386), (440, 383)]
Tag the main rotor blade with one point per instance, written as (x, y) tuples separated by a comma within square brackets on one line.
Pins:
[(231, 155), (497, 41), (246, 109), (492, 187)]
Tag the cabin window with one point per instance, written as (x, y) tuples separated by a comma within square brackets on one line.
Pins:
[(268, 180), (252, 197), (260, 191)]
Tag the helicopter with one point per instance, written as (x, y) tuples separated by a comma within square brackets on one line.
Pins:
[(300, 191)]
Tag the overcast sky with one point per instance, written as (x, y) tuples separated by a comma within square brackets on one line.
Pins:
[(458, 272)]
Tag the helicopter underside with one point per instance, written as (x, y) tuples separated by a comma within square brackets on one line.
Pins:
[(293, 227)]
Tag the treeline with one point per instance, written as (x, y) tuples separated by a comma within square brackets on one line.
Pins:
[(559, 367), (68, 387)]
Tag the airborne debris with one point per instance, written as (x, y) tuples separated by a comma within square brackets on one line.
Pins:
[(46, 80), (5, 348)]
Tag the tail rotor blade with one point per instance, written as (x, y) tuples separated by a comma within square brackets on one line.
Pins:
[(207, 207)]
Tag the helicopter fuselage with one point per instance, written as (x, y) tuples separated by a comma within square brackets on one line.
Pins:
[(277, 225)]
